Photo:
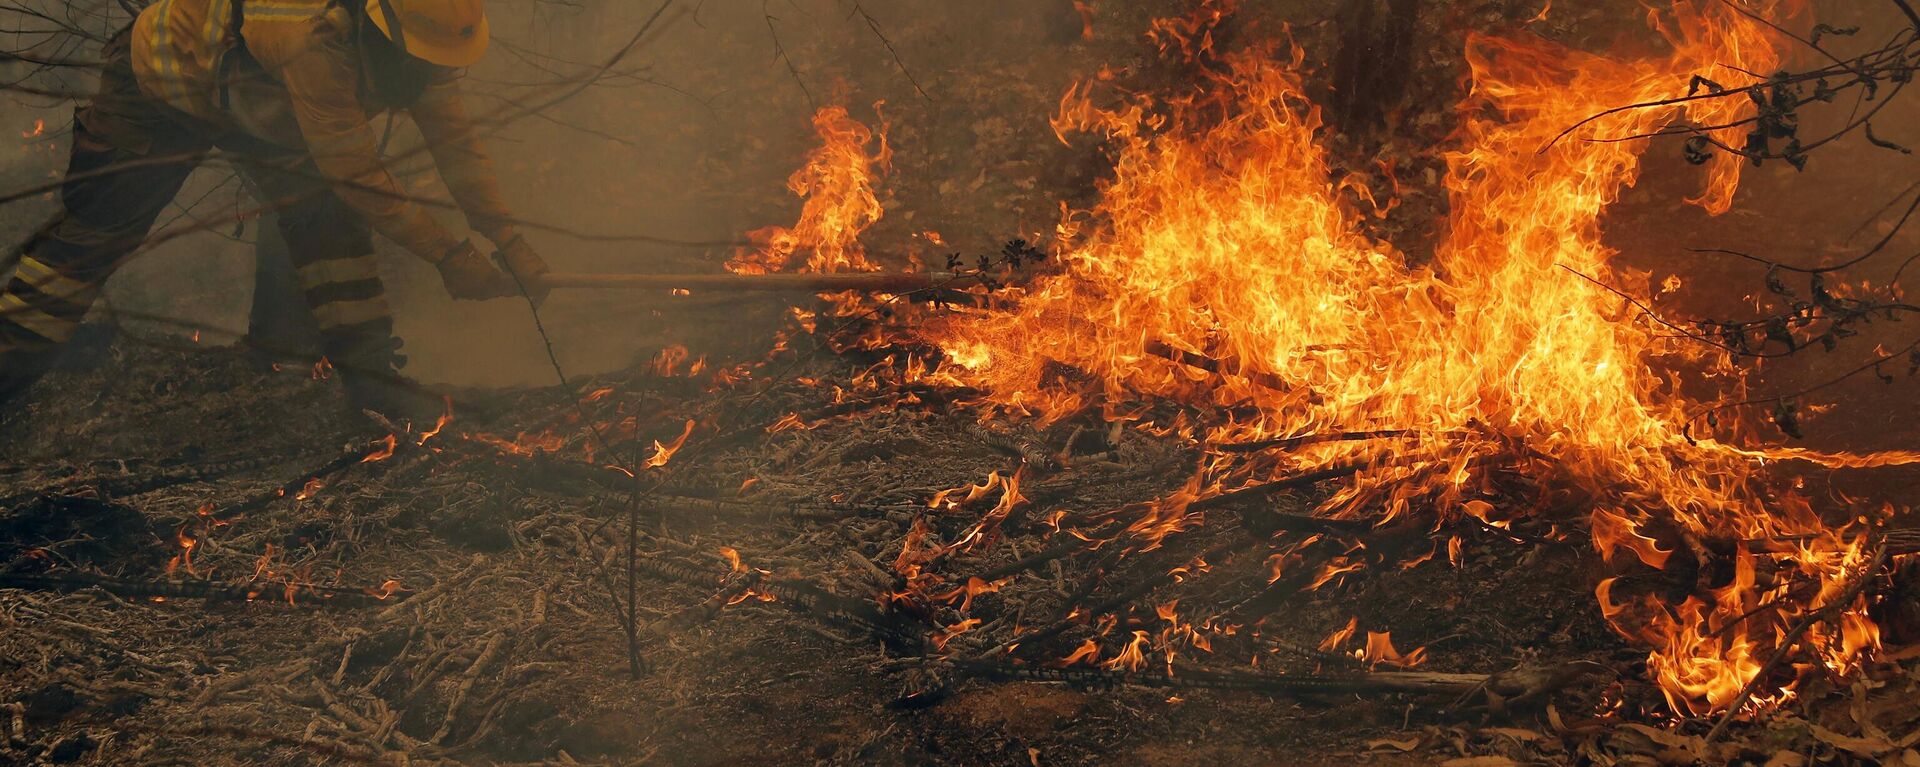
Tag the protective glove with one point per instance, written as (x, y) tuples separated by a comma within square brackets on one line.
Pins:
[(469, 277), (522, 263)]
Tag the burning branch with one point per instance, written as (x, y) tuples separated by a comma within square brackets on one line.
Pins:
[(1525, 684), (1792, 635)]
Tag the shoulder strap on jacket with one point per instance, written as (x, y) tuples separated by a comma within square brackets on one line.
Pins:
[(393, 25)]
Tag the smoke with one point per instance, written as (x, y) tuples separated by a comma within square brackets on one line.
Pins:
[(695, 140), (690, 138), (1834, 209)]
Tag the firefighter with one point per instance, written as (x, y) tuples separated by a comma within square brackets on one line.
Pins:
[(287, 90)]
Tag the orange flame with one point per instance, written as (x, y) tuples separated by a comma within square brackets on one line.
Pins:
[(942, 637), (837, 183), (184, 560), (1088, 652), (664, 365), (384, 452), (1221, 237), (1380, 650), (1340, 636), (1133, 657), (664, 453)]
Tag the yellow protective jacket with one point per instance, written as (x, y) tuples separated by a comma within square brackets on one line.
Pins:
[(305, 95)]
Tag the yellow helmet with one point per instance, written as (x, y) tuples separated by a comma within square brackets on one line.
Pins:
[(450, 33)]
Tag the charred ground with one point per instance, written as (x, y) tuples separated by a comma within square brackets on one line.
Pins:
[(507, 643)]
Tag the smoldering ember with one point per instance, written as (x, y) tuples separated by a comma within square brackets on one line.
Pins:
[(1040, 382)]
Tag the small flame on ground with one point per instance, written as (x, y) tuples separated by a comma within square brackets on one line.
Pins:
[(383, 452), (446, 417), (664, 453)]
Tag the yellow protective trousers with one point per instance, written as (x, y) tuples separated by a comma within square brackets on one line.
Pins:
[(130, 156)]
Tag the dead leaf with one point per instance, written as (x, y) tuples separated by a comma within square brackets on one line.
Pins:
[(1908, 652), (1667, 738), (1785, 758), (1480, 761), (1513, 732), (1871, 748), (1397, 745)]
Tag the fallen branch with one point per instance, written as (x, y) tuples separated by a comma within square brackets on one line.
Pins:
[(1421, 682), (1900, 542), (782, 509), (1216, 366), (1287, 443), (803, 597), (496, 646), (1265, 489), (346, 460), (161, 590), (125, 484), (1140, 588)]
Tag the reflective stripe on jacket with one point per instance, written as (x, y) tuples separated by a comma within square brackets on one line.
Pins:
[(309, 100)]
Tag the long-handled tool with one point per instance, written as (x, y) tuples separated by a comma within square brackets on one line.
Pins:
[(877, 282)]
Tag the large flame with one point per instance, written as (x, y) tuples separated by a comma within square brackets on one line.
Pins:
[(837, 183), (1222, 239)]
